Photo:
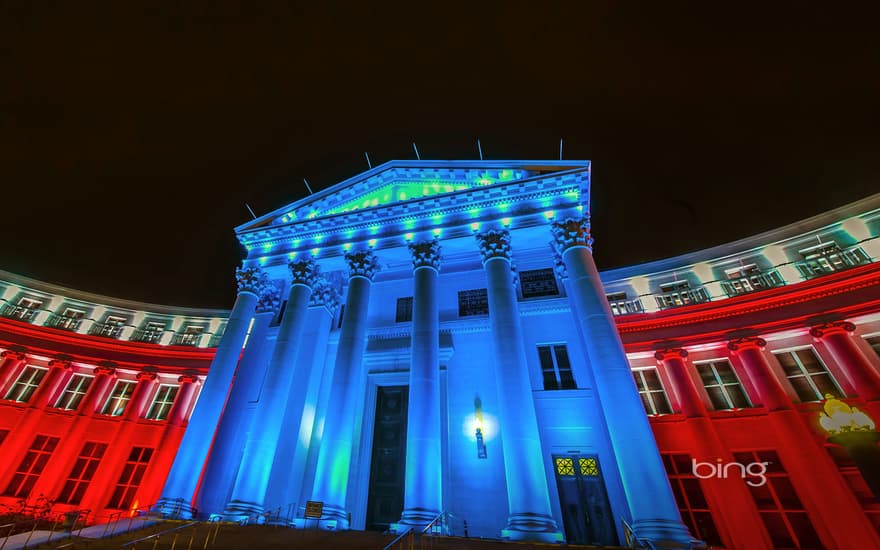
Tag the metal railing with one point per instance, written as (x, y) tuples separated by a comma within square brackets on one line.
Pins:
[(625, 306), (147, 336), (751, 282), (107, 330), (186, 339), (682, 297), (63, 322), (21, 313), (831, 260), (636, 543)]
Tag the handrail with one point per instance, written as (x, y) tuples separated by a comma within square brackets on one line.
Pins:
[(156, 535), (399, 538)]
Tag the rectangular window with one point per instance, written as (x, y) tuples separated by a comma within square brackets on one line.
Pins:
[(874, 342), (780, 507), (162, 403), (31, 466), (119, 398), (538, 282), (722, 385), (556, 368), (622, 305), (82, 473), (404, 310), (130, 480), (651, 391), (807, 375), (74, 392), (473, 302), (691, 500), (26, 384)]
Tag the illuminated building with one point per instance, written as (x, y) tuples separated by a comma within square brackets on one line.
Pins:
[(432, 336)]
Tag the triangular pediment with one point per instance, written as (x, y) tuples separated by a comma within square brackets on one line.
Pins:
[(400, 181)]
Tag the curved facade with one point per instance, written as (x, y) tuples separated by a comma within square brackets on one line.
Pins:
[(406, 343)]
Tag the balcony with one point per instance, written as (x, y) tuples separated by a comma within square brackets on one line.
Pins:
[(186, 339), (63, 322), (752, 281), (622, 306), (681, 296), (21, 313), (147, 335), (107, 330), (829, 259)]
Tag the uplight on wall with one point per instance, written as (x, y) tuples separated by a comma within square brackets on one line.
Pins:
[(480, 428)]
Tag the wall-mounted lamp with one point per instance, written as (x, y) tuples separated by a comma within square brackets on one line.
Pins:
[(478, 413)]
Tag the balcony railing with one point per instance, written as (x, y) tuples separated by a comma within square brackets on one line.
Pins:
[(63, 322), (752, 281), (682, 297), (108, 330), (147, 336), (832, 260), (626, 307), (19, 312), (186, 339)]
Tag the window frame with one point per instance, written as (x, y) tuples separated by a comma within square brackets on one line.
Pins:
[(161, 413), (557, 371), (648, 392), (721, 385), (76, 396), (29, 384), (806, 374), (126, 399)]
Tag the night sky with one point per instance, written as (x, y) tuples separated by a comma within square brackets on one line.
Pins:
[(130, 139)]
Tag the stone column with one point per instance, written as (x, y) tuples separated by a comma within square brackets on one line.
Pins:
[(801, 449), (229, 441), (120, 443), (334, 457), (652, 505), (530, 516), (249, 492), (183, 400), (863, 377), (52, 384), (729, 496), (12, 360), (423, 497), (193, 450)]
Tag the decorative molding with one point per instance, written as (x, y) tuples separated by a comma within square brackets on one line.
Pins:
[(745, 343), (187, 378), (362, 264), (250, 279), (270, 299), (146, 376), (425, 254), (304, 272), (325, 294), (494, 244), (572, 232), (824, 329), (671, 353)]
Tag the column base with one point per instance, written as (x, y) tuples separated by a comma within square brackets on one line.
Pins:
[(659, 531), (334, 518), (532, 527), (417, 517), (174, 508), (240, 509)]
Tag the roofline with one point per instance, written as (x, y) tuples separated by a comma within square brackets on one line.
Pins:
[(759, 240), (476, 163)]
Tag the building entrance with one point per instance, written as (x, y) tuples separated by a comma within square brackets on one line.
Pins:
[(388, 464), (586, 513)]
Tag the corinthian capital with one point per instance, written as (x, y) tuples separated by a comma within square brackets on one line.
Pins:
[(250, 279), (571, 232), (425, 254), (362, 264), (305, 272), (494, 244), (325, 294), (270, 299)]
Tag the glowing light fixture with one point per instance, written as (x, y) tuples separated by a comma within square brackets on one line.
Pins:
[(475, 226), (505, 222), (408, 236), (346, 246), (372, 242), (315, 251), (550, 214)]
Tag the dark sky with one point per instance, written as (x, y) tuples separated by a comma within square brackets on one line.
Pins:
[(130, 138)]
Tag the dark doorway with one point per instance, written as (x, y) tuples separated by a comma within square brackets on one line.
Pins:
[(586, 512), (388, 464)]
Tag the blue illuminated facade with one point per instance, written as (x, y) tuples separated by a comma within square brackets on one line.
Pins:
[(428, 337)]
